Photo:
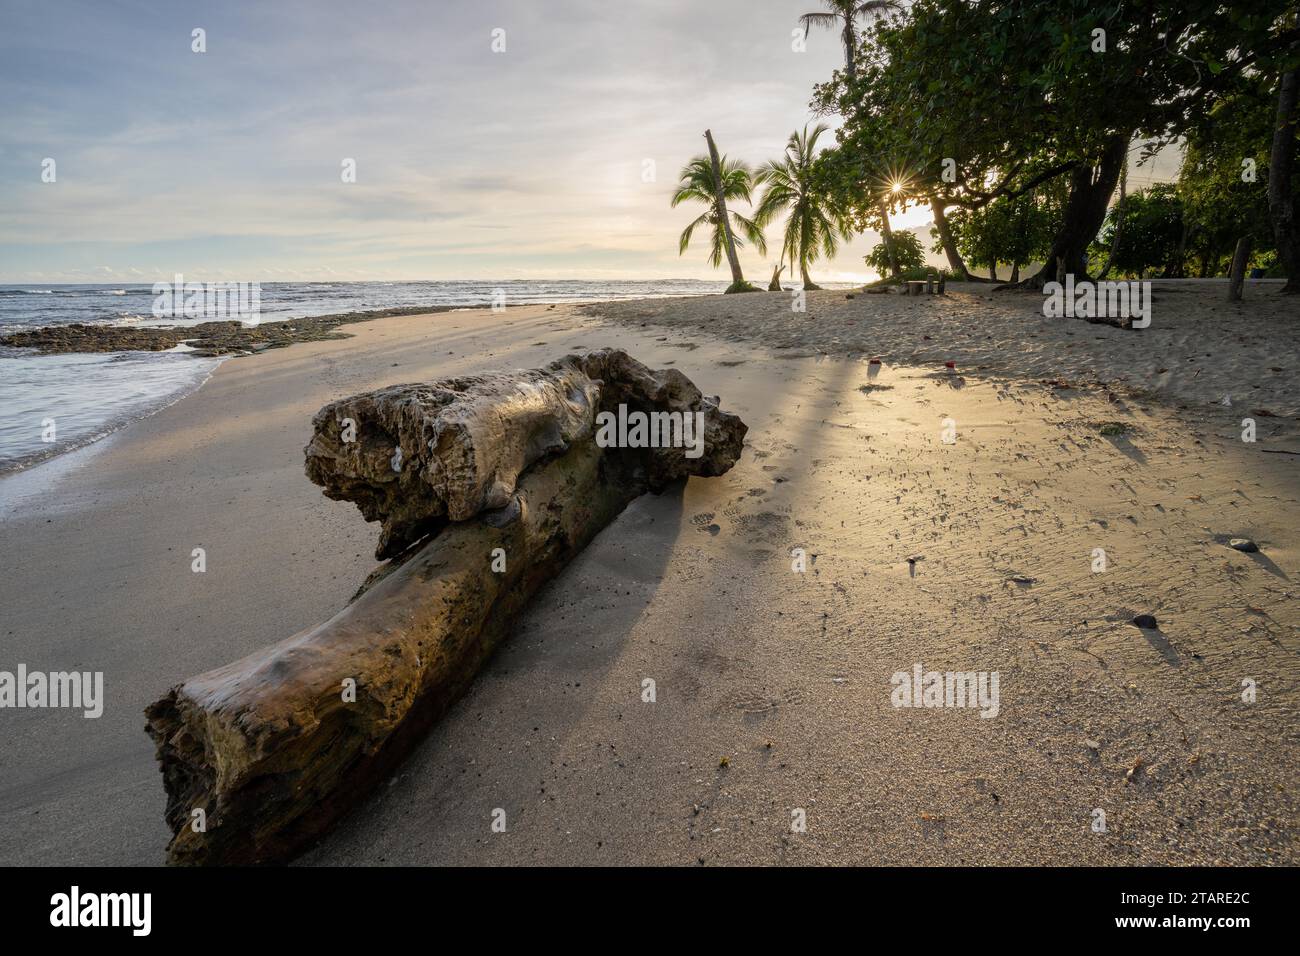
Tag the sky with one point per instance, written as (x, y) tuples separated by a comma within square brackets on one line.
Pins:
[(531, 162)]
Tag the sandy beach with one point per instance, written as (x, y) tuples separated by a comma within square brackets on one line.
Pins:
[(998, 479)]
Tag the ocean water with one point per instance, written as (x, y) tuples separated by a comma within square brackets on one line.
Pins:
[(54, 403)]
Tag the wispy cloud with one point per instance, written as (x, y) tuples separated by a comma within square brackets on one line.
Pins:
[(470, 164)]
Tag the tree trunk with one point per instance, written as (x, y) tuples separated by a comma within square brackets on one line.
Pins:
[(775, 284), (1237, 277), (1085, 210), (807, 282), (273, 750), (993, 272), (1119, 221), (720, 206), (1015, 272), (277, 747), (1281, 201), (888, 235), (850, 54), (1178, 268), (955, 262)]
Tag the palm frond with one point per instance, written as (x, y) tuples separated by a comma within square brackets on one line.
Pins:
[(813, 225), (686, 233), (828, 20), (876, 7), (696, 183), (751, 231), (715, 249)]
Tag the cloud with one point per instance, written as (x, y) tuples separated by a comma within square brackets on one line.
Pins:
[(469, 164)]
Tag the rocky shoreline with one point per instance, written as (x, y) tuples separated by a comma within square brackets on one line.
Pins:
[(208, 338)]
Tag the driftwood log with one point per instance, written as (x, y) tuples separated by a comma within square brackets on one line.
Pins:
[(274, 748), (414, 457)]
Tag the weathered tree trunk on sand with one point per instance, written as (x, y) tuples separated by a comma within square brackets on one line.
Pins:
[(275, 748), (464, 442), (1281, 199), (1085, 210), (955, 262), (417, 456), (775, 284), (1237, 275), (720, 210)]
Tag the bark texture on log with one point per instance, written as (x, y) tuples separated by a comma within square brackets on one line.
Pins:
[(775, 284), (422, 455), (274, 751)]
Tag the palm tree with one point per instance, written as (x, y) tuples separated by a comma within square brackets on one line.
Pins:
[(700, 181), (844, 14), (814, 225)]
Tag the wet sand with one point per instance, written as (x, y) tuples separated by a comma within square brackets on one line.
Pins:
[(772, 686)]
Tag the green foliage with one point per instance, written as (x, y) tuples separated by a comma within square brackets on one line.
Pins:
[(737, 183), (1221, 206), (1013, 94), (907, 247), (1015, 231), (1150, 224)]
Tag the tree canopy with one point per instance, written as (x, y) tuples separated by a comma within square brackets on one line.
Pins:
[(968, 102)]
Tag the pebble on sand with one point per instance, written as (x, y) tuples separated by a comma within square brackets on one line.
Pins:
[(1243, 544), (1146, 622)]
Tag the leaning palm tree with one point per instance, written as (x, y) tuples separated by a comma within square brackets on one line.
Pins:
[(844, 14), (700, 179), (814, 226)]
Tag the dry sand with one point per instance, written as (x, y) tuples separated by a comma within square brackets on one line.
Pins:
[(1200, 348), (785, 675)]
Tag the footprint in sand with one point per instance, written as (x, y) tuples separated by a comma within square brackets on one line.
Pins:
[(764, 526), (754, 702), (704, 522)]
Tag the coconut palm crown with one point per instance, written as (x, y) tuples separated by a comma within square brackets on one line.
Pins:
[(844, 15), (737, 183), (813, 226)]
